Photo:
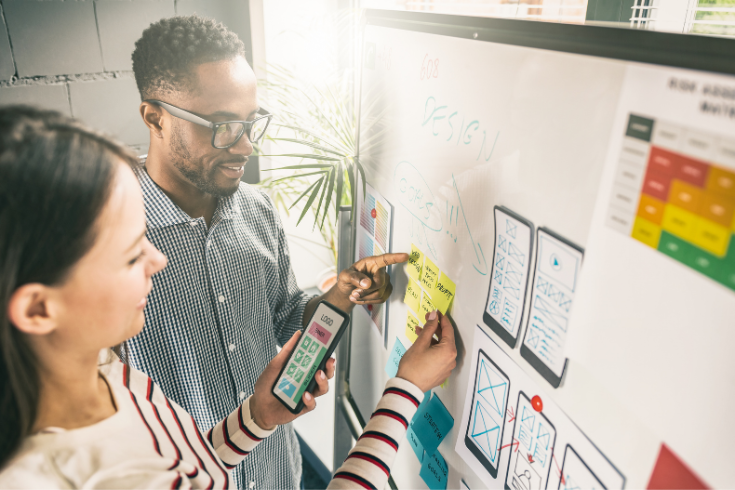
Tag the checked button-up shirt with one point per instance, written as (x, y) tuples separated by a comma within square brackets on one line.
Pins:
[(216, 313)]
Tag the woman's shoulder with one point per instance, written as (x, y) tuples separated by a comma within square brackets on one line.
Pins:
[(30, 469)]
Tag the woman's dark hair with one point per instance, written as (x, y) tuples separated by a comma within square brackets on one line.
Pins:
[(55, 178)]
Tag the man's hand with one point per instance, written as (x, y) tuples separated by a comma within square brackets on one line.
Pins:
[(364, 283), (427, 363), (265, 408)]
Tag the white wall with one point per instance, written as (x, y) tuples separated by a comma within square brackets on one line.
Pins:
[(300, 35)]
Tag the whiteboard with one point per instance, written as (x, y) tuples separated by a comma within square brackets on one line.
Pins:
[(468, 125)]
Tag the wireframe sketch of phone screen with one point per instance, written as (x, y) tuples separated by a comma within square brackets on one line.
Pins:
[(310, 351), (484, 434), (530, 464)]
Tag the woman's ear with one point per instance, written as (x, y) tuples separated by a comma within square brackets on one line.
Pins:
[(29, 310)]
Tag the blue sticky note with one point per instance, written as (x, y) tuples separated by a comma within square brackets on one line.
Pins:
[(434, 471), (418, 449), (431, 424), (395, 357)]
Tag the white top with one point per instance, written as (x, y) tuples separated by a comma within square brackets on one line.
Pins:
[(151, 442)]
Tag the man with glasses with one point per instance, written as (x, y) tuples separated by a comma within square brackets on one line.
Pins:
[(228, 295)]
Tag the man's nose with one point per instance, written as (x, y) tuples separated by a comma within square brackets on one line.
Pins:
[(242, 147)]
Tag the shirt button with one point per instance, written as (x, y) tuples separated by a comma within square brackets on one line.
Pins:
[(251, 485), (232, 347), (221, 298), (242, 395)]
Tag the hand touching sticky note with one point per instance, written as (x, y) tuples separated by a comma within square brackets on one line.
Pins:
[(415, 263), (430, 275), (411, 323), (413, 295), (426, 307), (443, 293)]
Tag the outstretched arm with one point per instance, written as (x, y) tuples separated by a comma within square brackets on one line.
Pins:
[(364, 282), (425, 365), (261, 413)]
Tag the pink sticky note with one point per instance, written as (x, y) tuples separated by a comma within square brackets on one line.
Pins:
[(320, 333)]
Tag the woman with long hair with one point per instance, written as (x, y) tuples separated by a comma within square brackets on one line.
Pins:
[(75, 270)]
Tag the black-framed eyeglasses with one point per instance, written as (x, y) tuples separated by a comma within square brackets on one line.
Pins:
[(227, 133)]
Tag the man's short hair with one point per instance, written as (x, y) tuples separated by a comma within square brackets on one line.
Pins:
[(169, 50)]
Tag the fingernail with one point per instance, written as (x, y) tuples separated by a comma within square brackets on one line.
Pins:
[(364, 283), (432, 315), (307, 396), (322, 375)]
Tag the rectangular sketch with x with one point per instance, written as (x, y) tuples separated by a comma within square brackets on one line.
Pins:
[(511, 267)]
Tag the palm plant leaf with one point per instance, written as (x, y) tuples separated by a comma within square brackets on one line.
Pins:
[(340, 182), (332, 176), (305, 193), (318, 184)]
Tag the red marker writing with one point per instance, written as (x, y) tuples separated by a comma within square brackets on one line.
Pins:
[(373, 213)]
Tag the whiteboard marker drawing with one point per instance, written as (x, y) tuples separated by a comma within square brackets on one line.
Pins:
[(509, 277), (558, 265)]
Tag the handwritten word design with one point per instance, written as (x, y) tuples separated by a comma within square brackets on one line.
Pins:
[(443, 124)]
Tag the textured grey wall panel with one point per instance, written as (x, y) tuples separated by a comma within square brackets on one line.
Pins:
[(45, 96), (111, 106), (51, 38), (122, 23)]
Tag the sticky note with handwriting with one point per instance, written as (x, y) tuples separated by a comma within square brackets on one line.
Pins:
[(432, 423), (411, 323), (427, 306), (413, 440), (395, 358), (415, 262), (434, 471), (430, 275), (413, 295), (443, 293)]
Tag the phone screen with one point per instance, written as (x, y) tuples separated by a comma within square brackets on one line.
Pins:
[(309, 352), (485, 428), (534, 436)]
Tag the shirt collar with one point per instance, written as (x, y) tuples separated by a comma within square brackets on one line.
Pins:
[(161, 211)]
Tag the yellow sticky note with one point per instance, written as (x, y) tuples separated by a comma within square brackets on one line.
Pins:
[(426, 307), (413, 295), (415, 262), (443, 293), (430, 275), (411, 324)]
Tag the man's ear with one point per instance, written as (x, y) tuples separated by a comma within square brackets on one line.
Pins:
[(29, 310), (152, 117)]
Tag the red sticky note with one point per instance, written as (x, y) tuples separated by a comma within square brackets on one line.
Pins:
[(672, 473)]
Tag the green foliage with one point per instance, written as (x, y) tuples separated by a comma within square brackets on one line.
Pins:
[(318, 129)]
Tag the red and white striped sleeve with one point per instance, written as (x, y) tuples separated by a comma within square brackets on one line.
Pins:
[(368, 464), (236, 436)]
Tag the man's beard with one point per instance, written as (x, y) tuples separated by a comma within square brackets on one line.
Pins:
[(197, 174)]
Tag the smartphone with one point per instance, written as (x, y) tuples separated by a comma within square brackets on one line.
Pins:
[(534, 437), (316, 344), (484, 434)]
